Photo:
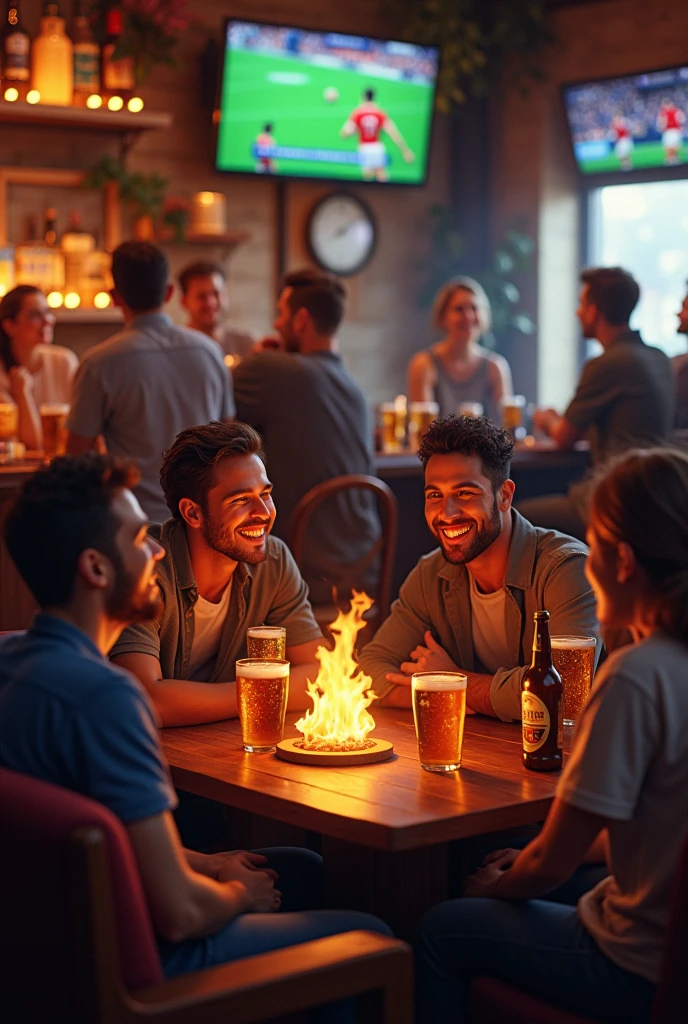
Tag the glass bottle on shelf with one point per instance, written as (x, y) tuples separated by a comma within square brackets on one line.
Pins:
[(86, 57), (77, 244), (52, 59), (15, 52), (50, 227), (117, 74), (37, 263)]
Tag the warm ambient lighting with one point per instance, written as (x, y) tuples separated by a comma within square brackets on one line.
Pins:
[(206, 198), (101, 300), (115, 103), (3, 290), (72, 300), (94, 101), (11, 94), (135, 105), (54, 299), (33, 96)]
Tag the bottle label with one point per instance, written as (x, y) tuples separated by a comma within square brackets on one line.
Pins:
[(17, 44), (535, 720), (86, 68)]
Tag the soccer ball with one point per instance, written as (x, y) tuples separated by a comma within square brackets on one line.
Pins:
[(331, 95)]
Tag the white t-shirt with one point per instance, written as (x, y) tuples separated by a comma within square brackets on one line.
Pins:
[(52, 381), (488, 628), (629, 764), (209, 620)]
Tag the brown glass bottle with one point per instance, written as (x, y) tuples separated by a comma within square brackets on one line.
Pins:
[(15, 49), (542, 706)]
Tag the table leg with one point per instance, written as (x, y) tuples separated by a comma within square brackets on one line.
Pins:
[(396, 886)]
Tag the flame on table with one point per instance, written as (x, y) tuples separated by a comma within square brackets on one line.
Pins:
[(342, 692)]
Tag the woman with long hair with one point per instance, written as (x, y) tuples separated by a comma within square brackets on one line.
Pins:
[(458, 368), (32, 369), (622, 797)]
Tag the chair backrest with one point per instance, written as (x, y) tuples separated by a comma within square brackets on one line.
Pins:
[(671, 1002), (42, 942), (384, 548)]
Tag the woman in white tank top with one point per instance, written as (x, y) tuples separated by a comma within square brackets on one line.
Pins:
[(32, 369), (458, 369)]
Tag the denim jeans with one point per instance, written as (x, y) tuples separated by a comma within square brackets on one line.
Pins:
[(538, 946)]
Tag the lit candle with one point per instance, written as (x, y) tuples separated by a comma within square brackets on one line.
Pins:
[(208, 214)]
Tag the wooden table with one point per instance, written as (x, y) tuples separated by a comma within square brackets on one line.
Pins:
[(386, 827)]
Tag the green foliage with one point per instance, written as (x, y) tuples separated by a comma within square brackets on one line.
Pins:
[(145, 192), (477, 38), (448, 257), (152, 31)]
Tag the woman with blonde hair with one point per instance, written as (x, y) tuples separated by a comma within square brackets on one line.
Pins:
[(622, 797), (32, 369), (458, 369)]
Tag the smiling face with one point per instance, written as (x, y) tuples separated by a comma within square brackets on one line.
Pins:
[(463, 318), (206, 301), (461, 507), (135, 594), (32, 326), (239, 512)]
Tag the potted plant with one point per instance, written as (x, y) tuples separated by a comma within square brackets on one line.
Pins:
[(144, 192)]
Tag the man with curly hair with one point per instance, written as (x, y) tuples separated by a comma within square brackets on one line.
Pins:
[(468, 606)]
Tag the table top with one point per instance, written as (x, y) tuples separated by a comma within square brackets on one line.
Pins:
[(393, 805), (537, 455)]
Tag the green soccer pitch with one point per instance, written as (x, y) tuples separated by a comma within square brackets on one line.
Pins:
[(302, 117), (642, 156)]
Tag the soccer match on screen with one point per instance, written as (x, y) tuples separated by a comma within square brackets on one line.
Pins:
[(632, 123), (325, 105)]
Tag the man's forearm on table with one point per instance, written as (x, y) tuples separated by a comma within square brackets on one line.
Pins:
[(185, 702)]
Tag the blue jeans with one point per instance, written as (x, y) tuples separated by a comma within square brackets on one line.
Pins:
[(538, 946)]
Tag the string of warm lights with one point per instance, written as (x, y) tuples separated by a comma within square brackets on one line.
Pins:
[(94, 102)]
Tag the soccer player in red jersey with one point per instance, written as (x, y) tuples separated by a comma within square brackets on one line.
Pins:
[(621, 136), (368, 120), (670, 123), (265, 164)]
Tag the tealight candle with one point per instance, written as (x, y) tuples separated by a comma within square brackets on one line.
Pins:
[(208, 214)]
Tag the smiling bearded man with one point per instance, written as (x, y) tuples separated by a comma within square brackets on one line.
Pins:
[(222, 573), (468, 606)]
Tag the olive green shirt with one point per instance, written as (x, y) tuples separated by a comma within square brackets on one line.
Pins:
[(271, 593), (545, 569)]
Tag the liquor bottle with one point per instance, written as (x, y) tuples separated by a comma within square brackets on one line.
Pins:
[(542, 704), (15, 51), (50, 227), (117, 75), (86, 57), (77, 246), (52, 59)]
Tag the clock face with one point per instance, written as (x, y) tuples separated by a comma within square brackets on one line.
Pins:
[(341, 234)]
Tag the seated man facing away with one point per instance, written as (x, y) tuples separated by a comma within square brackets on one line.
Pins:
[(468, 606), (222, 573), (80, 540)]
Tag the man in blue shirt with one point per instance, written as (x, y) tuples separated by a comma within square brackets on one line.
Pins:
[(80, 540)]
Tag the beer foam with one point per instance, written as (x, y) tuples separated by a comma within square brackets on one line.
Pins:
[(53, 409), (572, 643), (266, 632), (439, 681), (250, 669)]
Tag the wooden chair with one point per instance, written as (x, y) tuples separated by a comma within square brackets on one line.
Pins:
[(494, 1001), (76, 942), (349, 576)]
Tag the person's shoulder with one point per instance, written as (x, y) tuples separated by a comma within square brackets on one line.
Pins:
[(278, 558), (110, 348), (59, 355), (428, 566), (657, 654), (267, 363)]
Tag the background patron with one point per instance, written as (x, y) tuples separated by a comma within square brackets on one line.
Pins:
[(205, 297)]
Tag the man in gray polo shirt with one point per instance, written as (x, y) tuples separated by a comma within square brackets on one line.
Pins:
[(141, 387)]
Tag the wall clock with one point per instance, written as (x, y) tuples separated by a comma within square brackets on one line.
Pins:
[(341, 233)]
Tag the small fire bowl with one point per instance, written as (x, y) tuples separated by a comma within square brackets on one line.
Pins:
[(381, 750)]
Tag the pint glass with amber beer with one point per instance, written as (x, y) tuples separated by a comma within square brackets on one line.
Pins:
[(54, 424), (267, 642), (574, 660), (420, 416), (262, 690), (439, 711)]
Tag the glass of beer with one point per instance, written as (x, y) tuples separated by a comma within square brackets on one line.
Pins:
[(262, 690), (513, 409), (9, 425), (54, 421), (421, 415), (472, 409), (267, 642), (393, 424), (439, 711), (574, 660)]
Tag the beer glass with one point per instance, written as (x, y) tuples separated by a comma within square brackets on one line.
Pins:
[(421, 415), (574, 660), (53, 421), (393, 424), (9, 425), (267, 642), (472, 409), (262, 688), (512, 416), (439, 711)]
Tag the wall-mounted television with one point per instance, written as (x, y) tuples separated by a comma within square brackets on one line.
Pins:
[(305, 104), (635, 123)]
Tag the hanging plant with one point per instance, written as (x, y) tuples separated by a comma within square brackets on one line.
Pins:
[(478, 38), (152, 31)]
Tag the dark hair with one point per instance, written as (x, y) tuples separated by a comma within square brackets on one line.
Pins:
[(140, 273), (188, 467), (267, 128), (641, 499), (369, 94), (322, 295), (60, 511), (202, 268), (613, 290), (471, 435), (10, 307)]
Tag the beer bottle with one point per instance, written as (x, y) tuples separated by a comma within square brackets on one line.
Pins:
[(542, 704), (15, 49)]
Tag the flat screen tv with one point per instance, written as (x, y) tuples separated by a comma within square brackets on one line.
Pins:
[(324, 105), (635, 123)]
